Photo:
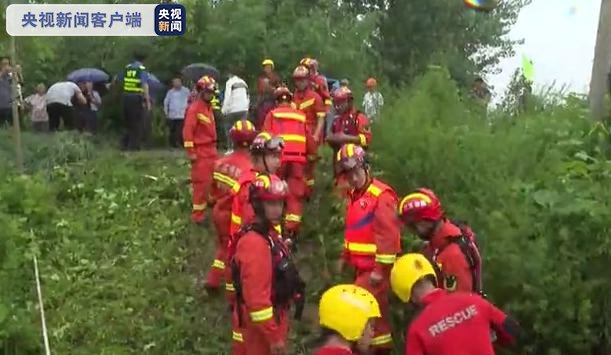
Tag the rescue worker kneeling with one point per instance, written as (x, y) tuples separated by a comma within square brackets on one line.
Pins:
[(264, 276), (372, 234), (346, 313), (449, 323)]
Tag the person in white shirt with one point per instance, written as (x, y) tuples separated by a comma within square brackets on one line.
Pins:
[(59, 104), (174, 107), (372, 101), (37, 103), (235, 103)]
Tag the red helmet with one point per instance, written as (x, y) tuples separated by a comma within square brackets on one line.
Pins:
[(242, 132), (266, 143), (350, 156), (342, 94), (301, 72), (268, 188), (309, 63), (420, 205), (206, 83), (282, 93)]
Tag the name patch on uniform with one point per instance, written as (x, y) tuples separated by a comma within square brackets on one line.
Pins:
[(452, 321)]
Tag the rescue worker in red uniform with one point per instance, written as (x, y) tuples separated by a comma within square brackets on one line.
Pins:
[(289, 124), (318, 82), (372, 234), (448, 245), (346, 314), (449, 323), (310, 103), (265, 277), (227, 171), (349, 125), (199, 134)]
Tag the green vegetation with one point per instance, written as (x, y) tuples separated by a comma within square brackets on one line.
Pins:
[(119, 260)]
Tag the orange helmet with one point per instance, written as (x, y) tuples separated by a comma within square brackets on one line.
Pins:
[(371, 82), (242, 133), (282, 93), (309, 63), (342, 94), (301, 72), (266, 143), (268, 188), (350, 156), (206, 83), (420, 205)]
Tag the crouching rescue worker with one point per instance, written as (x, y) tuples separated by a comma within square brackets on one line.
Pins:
[(265, 278), (227, 171), (451, 245), (290, 124), (372, 235), (199, 135), (449, 323), (346, 314)]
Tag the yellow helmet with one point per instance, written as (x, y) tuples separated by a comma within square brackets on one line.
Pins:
[(346, 310), (267, 61), (408, 270)]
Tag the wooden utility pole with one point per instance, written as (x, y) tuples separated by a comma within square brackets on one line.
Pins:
[(602, 62), (15, 95)]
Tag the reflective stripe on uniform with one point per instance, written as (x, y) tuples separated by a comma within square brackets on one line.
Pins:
[(328, 102), (278, 228), (293, 138), (229, 287), (290, 115), (197, 207), (227, 180), (374, 190), (386, 258), (236, 219), (262, 315), (310, 182), (363, 248), (321, 115), (237, 336), (188, 144), (362, 140), (203, 118), (382, 339), (306, 104), (219, 264), (292, 218)]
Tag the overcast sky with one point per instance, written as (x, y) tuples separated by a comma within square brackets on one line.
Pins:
[(559, 37)]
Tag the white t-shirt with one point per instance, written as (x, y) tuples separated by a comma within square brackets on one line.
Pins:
[(62, 93), (236, 96)]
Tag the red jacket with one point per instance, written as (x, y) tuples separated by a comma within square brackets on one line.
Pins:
[(255, 261), (310, 103), (273, 81), (372, 236), (458, 324), (456, 273), (319, 84), (353, 123), (241, 210), (288, 123), (227, 171), (328, 350), (199, 132)]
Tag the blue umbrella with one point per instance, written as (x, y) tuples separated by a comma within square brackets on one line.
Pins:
[(88, 74)]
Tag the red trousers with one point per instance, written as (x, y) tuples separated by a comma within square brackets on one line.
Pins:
[(382, 331), (312, 153), (294, 174), (255, 342), (237, 335), (201, 180), (221, 219)]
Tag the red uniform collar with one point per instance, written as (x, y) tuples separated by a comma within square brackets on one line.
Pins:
[(446, 231), (433, 296), (355, 194)]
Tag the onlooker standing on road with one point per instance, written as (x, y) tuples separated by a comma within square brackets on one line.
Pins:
[(235, 103), (37, 102), (6, 113), (372, 101), (136, 101), (174, 106), (59, 104)]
